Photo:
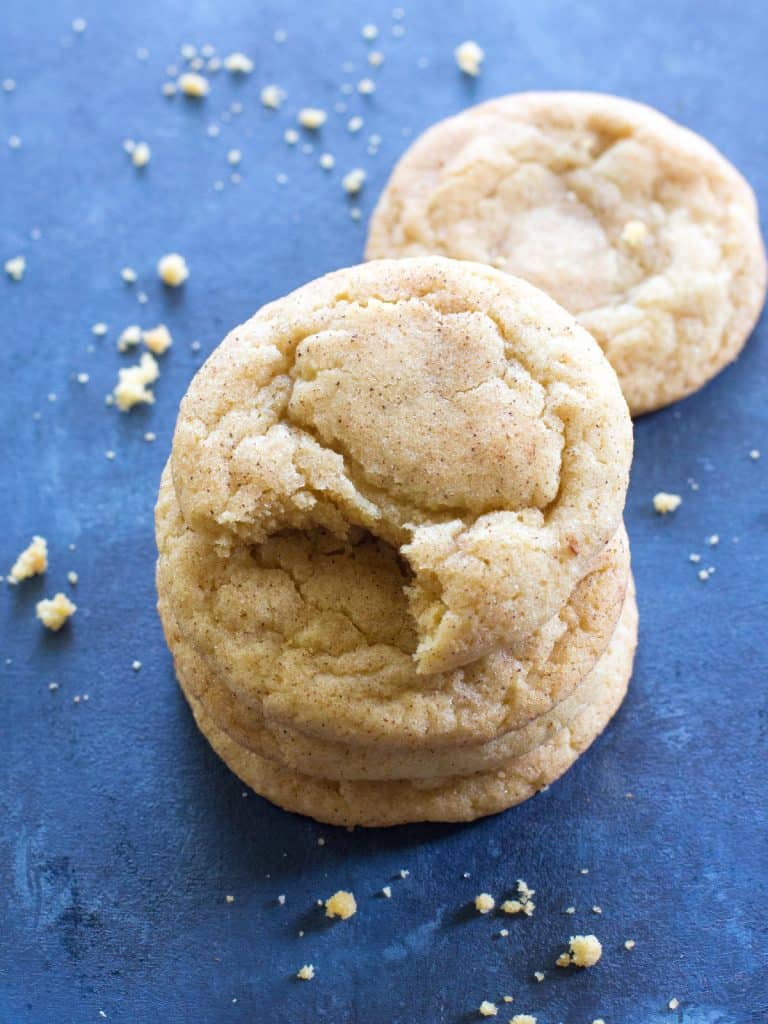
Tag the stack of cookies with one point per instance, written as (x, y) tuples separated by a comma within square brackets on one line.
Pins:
[(393, 571)]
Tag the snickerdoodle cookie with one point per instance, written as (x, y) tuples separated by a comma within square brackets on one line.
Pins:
[(455, 413), (637, 226), (451, 798)]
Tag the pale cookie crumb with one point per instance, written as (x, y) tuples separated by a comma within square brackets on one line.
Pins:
[(326, 161), (79, 25), (53, 687), (342, 904), (664, 502), (141, 154), (487, 1009), (375, 58), (129, 275), (693, 557), (272, 97), (291, 136), (169, 89), (508, 999), (72, 578), (353, 181), (563, 960), (129, 337), (539, 975), (366, 86), (312, 118), (354, 124), (32, 561), (306, 973), (570, 910), (213, 131), (8, 85), (14, 142), (229, 899), (54, 612), (523, 1018), (630, 944), (484, 903), (598, 1020), (234, 156), (404, 872), (238, 64), (193, 84), (634, 233), (713, 540), (754, 454), (673, 1003), (110, 455), (585, 950), (369, 32), (503, 933), (469, 56), (704, 574), (387, 892), (136, 665), (132, 383), (15, 267), (172, 269), (597, 910), (99, 329), (150, 436), (188, 51)]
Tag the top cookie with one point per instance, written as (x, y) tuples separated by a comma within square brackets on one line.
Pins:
[(451, 410), (637, 226)]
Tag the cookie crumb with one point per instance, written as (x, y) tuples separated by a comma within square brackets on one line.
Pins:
[(570, 910), (193, 85), (366, 86), (369, 32), (484, 903), (326, 161), (387, 892), (133, 383), (229, 899), (234, 157), (172, 269), (129, 275), (539, 975), (54, 612), (354, 124), (291, 136), (523, 1018), (129, 337), (693, 557), (272, 97), (404, 872), (312, 118), (72, 578), (673, 1003), (238, 64), (504, 933), (597, 910), (713, 540), (704, 574), (15, 267), (157, 339), (664, 502), (141, 155), (306, 973), (629, 944), (136, 665), (353, 181), (487, 1009), (469, 57), (342, 904), (585, 951), (32, 561), (754, 454)]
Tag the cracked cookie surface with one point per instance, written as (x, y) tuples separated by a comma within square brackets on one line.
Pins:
[(453, 412), (452, 798), (312, 632), (636, 225)]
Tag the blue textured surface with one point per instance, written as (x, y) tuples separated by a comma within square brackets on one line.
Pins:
[(121, 832)]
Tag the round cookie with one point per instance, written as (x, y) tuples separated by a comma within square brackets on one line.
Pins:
[(314, 633), (456, 798), (454, 412), (308, 755), (636, 225)]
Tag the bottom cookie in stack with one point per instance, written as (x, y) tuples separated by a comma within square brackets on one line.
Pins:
[(572, 727)]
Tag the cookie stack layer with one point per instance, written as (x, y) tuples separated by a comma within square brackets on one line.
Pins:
[(393, 572)]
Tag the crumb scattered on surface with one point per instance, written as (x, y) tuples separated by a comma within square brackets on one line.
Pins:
[(673, 1003), (32, 561), (664, 502), (539, 975), (629, 944), (523, 1018), (157, 339), (15, 267), (326, 161), (99, 329), (570, 910), (291, 136), (72, 578), (55, 611), (193, 85), (597, 910), (754, 454), (172, 269), (238, 64), (469, 57), (312, 118), (306, 973), (404, 872), (129, 337), (584, 951), (353, 181), (141, 154), (366, 86), (369, 32), (342, 904), (133, 382), (272, 97), (387, 892), (713, 540), (487, 1008), (136, 665), (484, 903), (234, 157), (704, 574)]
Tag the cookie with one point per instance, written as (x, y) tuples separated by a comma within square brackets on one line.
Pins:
[(455, 798), (310, 755), (315, 634), (451, 411), (636, 225)]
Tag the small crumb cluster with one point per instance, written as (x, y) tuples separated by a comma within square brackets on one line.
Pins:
[(55, 611), (342, 904), (583, 951), (664, 503), (32, 561)]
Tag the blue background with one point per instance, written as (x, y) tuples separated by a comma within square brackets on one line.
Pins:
[(121, 832)]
